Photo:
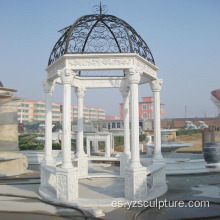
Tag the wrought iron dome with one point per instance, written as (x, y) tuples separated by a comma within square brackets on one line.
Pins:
[(100, 33)]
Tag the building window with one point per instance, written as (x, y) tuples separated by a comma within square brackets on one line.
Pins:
[(144, 115), (55, 112), (151, 107), (56, 117), (39, 106), (23, 110), (162, 108), (144, 107), (113, 124), (39, 116), (55, 106), (25, 105), (151, 115), (109, 126), (39, 111), (118, 125)]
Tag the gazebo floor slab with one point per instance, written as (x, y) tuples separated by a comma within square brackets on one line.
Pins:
[(100, 192)]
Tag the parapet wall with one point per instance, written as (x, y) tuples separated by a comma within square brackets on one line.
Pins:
[(179, 122)]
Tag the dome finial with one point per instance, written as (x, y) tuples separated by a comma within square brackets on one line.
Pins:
[(100, 9)]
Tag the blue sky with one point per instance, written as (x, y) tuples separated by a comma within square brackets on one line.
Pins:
[(183, 36)]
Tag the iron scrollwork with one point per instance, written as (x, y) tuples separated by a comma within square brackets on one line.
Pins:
[(100, 33)]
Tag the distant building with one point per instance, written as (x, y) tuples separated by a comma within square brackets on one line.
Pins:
[(112, 117), (216, 99), (146, 109), (34, 110), (118, 124)]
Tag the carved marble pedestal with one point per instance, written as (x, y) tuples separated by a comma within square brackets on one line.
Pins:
[(8, 119), (136, 184), (67, 184), (124, 161), (12, 163), (83, 165)]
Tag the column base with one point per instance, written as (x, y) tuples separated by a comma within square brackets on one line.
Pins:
[(158, 159), (82, 165), (67, 165), (107, 155), (67, 184), (124, 163), (134, 164), (49, 161), (136, 184)]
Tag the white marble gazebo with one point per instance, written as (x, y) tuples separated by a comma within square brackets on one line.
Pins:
[(87, 69)]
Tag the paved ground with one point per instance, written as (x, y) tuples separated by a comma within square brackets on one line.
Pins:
[(19, 199), (205, 187)]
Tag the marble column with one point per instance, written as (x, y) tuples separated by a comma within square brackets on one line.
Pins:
[(66, 79), (107, 146), (134, 79), (80, 92), (156, 87), (111, 140), (135, 174), (67, 175), (88, 146), (96, 146), (125, 157), (82, 157), (48, 89)]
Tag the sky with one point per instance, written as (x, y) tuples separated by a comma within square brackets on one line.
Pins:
[(183, 36)]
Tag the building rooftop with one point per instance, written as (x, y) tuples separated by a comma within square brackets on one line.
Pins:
[(216, 94)]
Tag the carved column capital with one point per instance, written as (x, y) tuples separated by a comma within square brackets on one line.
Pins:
[(66, 75), (48, 86), (125, 91), (156, 85), (134, 76), (80, 91)]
